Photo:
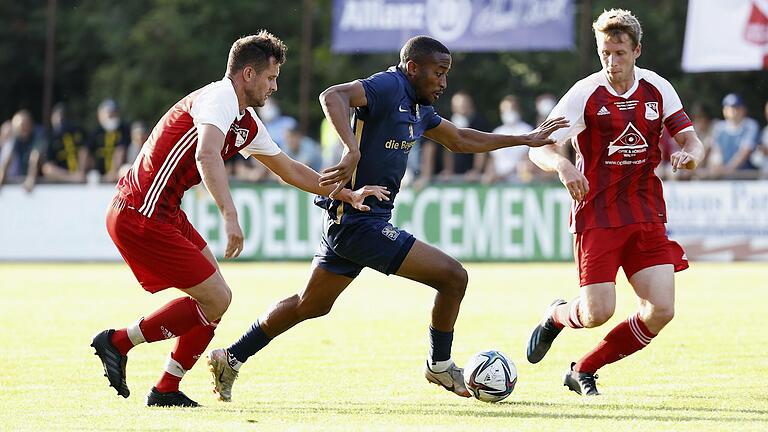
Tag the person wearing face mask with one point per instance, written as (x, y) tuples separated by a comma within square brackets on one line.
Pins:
[(509, 164), (109, 141), (465, 167), (277, 124), (545, 103)]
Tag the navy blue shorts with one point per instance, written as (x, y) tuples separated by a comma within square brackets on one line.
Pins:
[(362, 241)]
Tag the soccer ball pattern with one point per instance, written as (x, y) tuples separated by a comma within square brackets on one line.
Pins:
[(490, 376)]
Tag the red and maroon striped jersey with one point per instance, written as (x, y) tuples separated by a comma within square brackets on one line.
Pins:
[(616, 138), (166, 167)]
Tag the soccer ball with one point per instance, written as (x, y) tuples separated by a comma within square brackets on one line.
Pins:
[(490, 376)]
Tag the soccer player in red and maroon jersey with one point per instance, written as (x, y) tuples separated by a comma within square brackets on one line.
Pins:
[(152, 233), (618, 212)]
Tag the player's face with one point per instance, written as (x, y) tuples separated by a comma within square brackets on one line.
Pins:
[(431, 78), (260, 85), (618, 57)]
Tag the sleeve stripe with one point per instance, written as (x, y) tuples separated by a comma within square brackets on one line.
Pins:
[(677, 122)]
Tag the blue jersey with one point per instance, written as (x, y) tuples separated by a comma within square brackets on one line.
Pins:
[(386, 129)]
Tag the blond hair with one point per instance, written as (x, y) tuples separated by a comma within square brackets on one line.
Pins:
[(612, 23)]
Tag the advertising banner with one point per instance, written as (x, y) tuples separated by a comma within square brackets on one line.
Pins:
[(726, 35), (462, 25)]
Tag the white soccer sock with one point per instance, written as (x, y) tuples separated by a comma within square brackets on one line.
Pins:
[(440, 366), (174, 368), (234, 363), (135, 334)]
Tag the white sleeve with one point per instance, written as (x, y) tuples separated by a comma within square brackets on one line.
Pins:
[(262, 143), (215, 105), (571, 106), (671, 101)]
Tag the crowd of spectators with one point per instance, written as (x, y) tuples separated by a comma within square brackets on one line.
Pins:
[(736, 147)]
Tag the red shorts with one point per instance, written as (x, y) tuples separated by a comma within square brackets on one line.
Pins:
[(601, 251), (161, 255)]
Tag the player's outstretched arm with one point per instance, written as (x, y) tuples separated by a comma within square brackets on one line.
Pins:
[(305, 178), (210, 141), (466, 140), (336, 101), (549, 159), (691, 151)]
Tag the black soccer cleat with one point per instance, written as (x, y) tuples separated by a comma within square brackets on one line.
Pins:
[(544, 334), (112, 361), (169, 399), (582, 383)]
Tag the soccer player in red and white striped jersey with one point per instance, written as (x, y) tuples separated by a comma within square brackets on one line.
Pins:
[(152, 233), (618, 212)]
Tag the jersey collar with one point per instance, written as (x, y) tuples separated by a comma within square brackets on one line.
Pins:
[(628, 93), (409, 90)]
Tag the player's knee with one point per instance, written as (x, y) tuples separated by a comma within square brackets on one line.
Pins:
[(597, 315), (313, 308), (219, 303), (662, 315), (456, 280)]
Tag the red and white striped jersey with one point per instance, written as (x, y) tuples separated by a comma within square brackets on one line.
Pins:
[(165, 168), (616, 138)]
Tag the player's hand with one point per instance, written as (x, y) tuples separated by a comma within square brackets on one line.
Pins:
[(574, 181), (341, 173), (356, 197), (234, 237), (540, 136), (683, 159)]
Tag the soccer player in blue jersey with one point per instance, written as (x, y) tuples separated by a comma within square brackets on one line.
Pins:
[(392, 111)]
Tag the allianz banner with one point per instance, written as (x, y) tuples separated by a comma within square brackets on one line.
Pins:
[(468, 222), (462, 25)]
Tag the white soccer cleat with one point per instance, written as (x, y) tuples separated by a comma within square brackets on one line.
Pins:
[(223, 374), (451, 379)]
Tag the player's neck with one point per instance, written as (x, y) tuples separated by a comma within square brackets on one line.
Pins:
[(621, 86), (239, 92)]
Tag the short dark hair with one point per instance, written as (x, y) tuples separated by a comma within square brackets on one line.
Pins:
[(418, 48), (255, 51)]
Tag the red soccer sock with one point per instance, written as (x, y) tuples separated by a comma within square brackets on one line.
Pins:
[(121, 341), (189, 347), (168, 383), (568, 314), (626, 338), (174, 319)]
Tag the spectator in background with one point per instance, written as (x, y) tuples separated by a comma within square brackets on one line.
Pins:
[(510, 164), (139, 135), (703, 124), (275, 121), (109, 142), (67, 154), (545, 103), (467, 167), (302, 148), (734, 140), (430, 163), (16, 161), (760, 156)]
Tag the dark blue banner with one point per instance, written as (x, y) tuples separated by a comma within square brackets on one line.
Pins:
[(462, 25)]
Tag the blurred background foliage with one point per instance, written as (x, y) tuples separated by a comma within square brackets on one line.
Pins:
[(147, 54)]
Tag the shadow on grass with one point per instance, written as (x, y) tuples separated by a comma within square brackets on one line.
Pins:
[(510, 410)]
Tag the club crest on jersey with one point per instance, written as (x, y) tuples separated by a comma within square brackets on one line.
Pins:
[(629, 141), (651, 110), (390, 232), (240, 136)]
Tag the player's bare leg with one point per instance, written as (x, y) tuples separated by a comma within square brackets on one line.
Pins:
[(316, 300), (431, 266), (654, 287)]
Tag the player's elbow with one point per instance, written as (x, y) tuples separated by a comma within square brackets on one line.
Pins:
[(328, 95)]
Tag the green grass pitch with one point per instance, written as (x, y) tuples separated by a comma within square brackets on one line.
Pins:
[(360, 367)]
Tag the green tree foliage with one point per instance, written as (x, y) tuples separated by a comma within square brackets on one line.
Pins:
[(149, 53)]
